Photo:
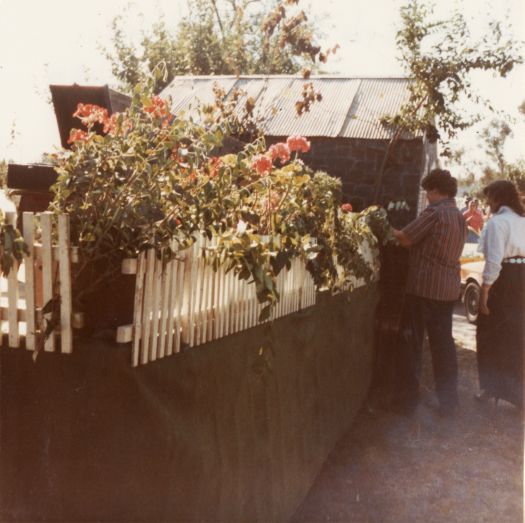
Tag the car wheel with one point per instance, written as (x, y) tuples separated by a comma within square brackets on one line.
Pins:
[(471, 301)]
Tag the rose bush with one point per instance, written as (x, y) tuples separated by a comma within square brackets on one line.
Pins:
[(144, 178)]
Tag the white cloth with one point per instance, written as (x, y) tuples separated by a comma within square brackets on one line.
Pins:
[(502, 237)]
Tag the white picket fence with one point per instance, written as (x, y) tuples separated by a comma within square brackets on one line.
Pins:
[(44, 273), (186, 301)]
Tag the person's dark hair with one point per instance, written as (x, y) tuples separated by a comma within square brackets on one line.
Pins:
[(441, 180), (504, 192)]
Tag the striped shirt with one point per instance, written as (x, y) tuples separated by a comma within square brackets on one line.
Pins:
[(437, 235)]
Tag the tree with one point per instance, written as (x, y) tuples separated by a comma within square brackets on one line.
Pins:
[(218, 37), (439, 56), (494, 137), (515, 172)]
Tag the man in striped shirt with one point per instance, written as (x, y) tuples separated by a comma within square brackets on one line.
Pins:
[(435, 240)]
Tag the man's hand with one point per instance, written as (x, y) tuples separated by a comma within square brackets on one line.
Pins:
[(483, 299), (402, 238)]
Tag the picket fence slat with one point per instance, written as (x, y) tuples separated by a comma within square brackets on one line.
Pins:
[(164, 308), (66, 306), (137, 309), (171, 281), (12, 296), (147, 305), (179, 303), (156, 309), (28, 224), (47, 272)]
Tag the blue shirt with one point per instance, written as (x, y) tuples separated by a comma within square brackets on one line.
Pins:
[(502, 237)]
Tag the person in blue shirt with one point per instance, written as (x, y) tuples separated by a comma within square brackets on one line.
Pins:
[(500, 332)]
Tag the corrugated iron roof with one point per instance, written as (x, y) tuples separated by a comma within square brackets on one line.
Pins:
[(350, 108)]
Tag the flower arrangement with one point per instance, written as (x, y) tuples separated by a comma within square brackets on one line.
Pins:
[(144, 178)]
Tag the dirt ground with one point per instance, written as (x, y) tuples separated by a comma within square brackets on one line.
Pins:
[(394, 469)]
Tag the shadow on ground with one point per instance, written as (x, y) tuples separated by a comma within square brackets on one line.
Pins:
[(393, 469)]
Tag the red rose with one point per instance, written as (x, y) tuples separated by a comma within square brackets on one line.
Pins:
[(346, 207)]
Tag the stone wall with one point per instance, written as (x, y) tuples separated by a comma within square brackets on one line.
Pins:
[(234, 430), (357, 163)]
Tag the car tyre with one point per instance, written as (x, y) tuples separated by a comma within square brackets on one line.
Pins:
[(471, 301)]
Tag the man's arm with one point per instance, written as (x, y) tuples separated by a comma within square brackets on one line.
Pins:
[(417, 229), (402, 238)]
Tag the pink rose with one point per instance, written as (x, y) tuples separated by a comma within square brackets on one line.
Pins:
[(346, 207)]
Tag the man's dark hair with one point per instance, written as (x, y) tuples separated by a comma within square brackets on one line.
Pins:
[(504, 192), (442, 181)]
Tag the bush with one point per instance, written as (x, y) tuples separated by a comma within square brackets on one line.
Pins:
[(144, 178)]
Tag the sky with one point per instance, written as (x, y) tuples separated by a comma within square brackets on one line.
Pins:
[(46, 42)]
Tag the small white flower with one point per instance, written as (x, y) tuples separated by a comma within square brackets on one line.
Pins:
[(241, 227)]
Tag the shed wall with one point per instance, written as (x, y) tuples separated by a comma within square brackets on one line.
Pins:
[(357, 163)]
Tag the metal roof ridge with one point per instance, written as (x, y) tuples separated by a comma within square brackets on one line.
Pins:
[(348, 116), (292, 76)]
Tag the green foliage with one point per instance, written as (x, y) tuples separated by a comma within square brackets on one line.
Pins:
[(439, 56), (217, 37), (3, 174), (12, 246), (494, 137), (514, 172), (152, 181)]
